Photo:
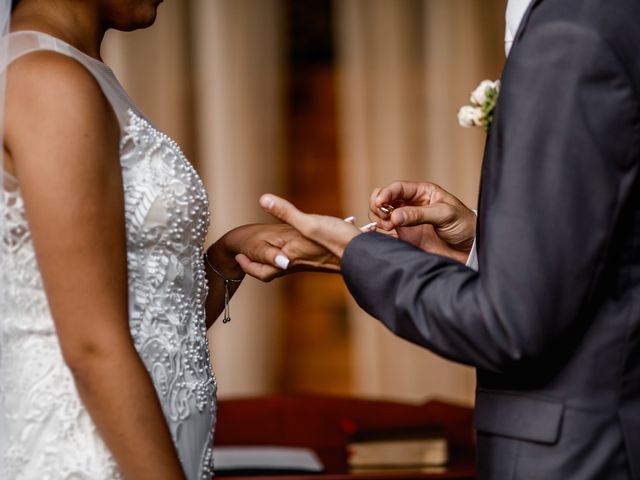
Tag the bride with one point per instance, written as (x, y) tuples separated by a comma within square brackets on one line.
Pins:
[(107, 290)]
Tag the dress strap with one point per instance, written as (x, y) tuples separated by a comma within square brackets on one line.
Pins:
[(22, 43)]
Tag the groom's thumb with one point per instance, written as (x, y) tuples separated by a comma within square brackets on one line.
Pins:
[(281, 209), (436, 214)]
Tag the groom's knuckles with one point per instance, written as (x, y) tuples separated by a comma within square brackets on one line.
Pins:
[(397, 193), (442, 213)]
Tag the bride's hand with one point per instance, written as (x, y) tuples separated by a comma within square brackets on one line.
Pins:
[(268, 251)]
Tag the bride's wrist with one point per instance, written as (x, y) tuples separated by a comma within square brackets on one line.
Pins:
[(222, 258)]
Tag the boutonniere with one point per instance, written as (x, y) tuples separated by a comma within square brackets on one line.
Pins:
[(483, 104)]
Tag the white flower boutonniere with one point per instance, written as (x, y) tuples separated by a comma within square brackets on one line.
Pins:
[(483, 104)]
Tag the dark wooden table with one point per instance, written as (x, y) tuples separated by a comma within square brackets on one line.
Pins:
[(324, 424)]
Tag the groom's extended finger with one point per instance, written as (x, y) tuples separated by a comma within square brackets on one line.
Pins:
[(286, 212), (330, 232), (437, 214)]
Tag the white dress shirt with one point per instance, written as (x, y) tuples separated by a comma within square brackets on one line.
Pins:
[(515, 12)]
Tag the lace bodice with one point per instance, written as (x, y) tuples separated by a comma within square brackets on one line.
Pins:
[(46, 429), (167, 218)]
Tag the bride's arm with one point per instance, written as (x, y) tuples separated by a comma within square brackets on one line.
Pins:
[(254, 249), (62, 140), (221, 256)]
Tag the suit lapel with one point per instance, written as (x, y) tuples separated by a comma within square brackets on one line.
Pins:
[(516, 39), (525, 20)]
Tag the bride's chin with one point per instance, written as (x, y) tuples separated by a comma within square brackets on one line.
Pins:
[(137, 24), (128, 15)]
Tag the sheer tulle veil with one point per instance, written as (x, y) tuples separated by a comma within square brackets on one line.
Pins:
[(5, 18)]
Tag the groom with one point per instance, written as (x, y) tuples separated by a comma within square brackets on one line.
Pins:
[(551, 320)]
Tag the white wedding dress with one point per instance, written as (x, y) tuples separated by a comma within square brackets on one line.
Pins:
[(45, 431)]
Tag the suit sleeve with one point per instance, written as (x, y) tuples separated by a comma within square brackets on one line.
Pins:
[(559, 167)]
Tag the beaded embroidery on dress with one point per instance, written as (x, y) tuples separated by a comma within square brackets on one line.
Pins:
[(49, 432), (166, 212)]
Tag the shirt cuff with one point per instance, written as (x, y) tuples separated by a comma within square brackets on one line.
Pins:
[(472, 261)]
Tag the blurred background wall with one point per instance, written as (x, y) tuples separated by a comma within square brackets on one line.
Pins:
[(319, 101)]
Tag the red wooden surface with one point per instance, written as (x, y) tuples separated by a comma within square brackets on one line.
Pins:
[(324, 423), (453, 474)]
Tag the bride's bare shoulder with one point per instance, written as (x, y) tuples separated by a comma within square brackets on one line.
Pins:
[(48, 76), (57, 97)]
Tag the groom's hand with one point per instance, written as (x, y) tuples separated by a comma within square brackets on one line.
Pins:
[(295, 253), (427, 216), (329, 232)]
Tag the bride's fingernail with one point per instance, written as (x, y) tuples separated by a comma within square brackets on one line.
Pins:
[(282, 262), (267, 202), (350, 219), (401, 218)]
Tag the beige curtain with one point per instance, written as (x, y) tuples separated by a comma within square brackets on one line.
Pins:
[(227, 55), (238, 55), (405, 68)]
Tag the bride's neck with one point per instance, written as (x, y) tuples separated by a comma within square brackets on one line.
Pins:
[(77, 23)]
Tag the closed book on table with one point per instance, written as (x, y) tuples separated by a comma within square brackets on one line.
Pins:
[(264, 459), (398, 449)]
